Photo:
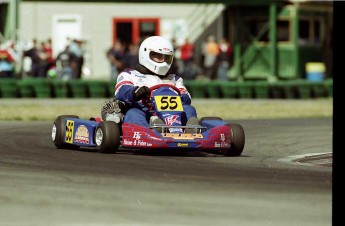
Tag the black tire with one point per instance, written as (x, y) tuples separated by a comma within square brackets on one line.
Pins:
[(60, 129), (107, 137), (210, 118), (237, 141)]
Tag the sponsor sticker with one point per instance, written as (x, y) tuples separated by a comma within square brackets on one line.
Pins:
[(222, 137), (120, 78), (222, 143), (172, 119), (141, 143), (137, 135), (183, 136), (82, 135), (137, 141)]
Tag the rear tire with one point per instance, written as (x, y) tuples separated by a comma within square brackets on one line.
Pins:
[(210, 118), (107, 137), (59, 130), (237, 141)]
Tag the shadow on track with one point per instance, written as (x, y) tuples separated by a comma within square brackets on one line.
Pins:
[(162, 152)]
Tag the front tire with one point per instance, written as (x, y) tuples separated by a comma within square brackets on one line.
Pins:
[(107, 137), (237, 141), (59, 130)]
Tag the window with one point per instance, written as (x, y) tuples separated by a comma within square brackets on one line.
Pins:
[(304, 27), (310, 31), (317, 32), (283, 30), (132, 30)]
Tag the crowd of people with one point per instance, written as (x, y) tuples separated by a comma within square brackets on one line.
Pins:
[(8, 59), (38, 61), (216, 59), (69, 62)]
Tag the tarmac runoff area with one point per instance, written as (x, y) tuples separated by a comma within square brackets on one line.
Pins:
[(311, 159)]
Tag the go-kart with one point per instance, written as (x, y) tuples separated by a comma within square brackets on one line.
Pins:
[(211, 134)]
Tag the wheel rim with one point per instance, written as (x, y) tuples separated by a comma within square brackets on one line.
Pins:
[(54, 132), (99, 137)]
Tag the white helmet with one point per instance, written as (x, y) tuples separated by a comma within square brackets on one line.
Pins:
[(156, 54)]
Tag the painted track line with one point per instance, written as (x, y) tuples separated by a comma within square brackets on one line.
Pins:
[(311, 159)]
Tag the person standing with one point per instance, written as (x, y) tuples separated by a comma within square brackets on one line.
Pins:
[(7, 60), (224, 59), (47, 48), (130, 59), (115, 56), (33, 54), (78, 57), (187, 57), (43, 63), (63, 63), (210, 60)]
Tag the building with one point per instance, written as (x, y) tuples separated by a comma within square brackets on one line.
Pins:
[(271, 39), (100, 24)]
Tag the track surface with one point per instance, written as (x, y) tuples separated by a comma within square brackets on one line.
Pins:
[(41, 185)]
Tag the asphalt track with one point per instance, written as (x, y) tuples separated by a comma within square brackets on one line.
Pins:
[(272, 183)]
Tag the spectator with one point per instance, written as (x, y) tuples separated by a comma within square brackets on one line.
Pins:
[(77, 59), (63, 63), (224, 59), (187, 57), (47, 49), (130, 59), (211, 54), (7, 60), (33, 54), (43, 62), (115, 56)]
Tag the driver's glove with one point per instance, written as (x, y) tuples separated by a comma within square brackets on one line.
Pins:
[(141, 93)]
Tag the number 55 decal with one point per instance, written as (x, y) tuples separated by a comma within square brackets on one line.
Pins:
[(168, 103)]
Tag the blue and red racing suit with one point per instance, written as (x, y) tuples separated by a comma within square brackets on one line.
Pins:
[(130, 79)]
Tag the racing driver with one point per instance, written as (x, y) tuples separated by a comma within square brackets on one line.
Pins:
[(155, 58)]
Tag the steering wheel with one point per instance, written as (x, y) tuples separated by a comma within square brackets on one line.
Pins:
[(152, 88), (162, 85)]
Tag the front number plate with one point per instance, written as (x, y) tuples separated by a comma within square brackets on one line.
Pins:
[(168, 103)]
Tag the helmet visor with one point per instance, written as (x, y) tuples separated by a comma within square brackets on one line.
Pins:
[(160, 58)]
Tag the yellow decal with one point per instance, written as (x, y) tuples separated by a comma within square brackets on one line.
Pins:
[(182, 145), (69, 131), (168, 103), (182, 136)]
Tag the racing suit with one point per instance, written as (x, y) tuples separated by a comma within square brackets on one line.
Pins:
[(131, 79)]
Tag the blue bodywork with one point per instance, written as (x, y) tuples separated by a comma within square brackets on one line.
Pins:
[(80, 132)]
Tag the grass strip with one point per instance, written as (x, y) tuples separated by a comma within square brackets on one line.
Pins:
[(31, 109)]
